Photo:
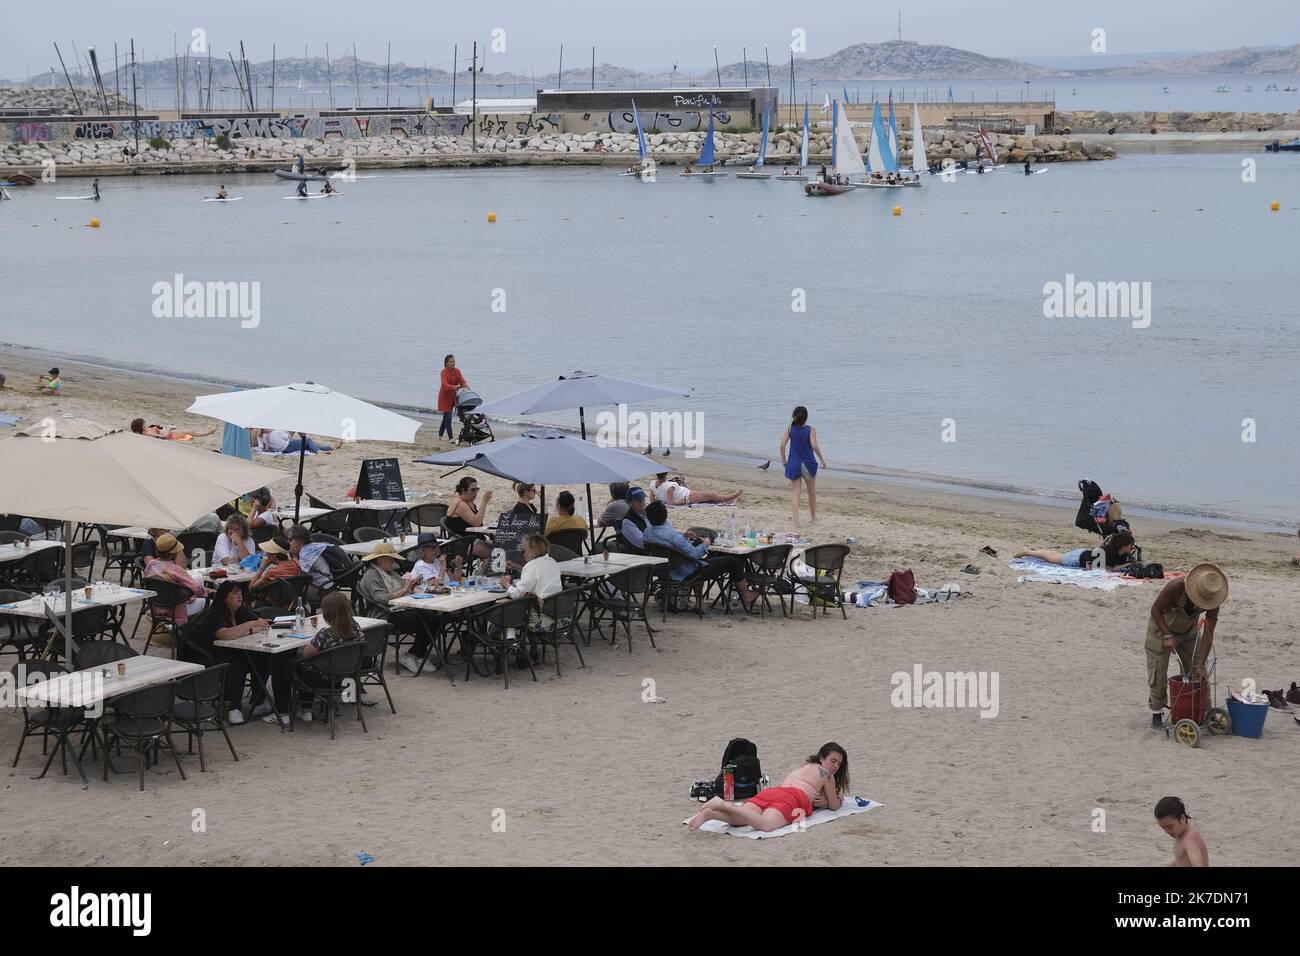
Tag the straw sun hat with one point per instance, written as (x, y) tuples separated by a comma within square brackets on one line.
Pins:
[(1207, 586), (382, 549), (167, 544)]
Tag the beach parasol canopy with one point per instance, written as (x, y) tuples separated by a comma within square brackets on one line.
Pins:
[(307, 408), (580, 390), (73, 469), (548, 458)]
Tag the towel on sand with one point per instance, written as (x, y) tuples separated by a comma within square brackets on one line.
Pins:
[(1042, 572), (281, 454), (850, 806), (876, 594)]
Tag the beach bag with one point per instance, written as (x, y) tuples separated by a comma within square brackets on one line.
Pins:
[(1091, 491), (902, 587), (743, 754), (1152, 570)]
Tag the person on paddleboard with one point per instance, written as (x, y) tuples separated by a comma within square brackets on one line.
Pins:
[(95, 189), (221, 192), (327, 188), (302, 188), (1026, 167)]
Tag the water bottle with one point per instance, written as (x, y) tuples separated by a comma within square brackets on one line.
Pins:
[(299, 617)]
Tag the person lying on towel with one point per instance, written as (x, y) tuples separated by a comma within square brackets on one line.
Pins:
[(820, 782), (1114, 554)]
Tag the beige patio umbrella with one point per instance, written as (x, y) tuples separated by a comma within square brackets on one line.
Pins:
[(73, 469)]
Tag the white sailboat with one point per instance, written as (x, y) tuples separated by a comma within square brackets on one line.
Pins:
[(755, 171), (847, 162), (919, 161)]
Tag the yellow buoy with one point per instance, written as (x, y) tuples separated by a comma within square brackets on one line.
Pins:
[(898, 210), (492, 217), (1275, 206), (94, 224)]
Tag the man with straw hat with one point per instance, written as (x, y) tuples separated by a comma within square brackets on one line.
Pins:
[(1172, 627), (381, 584)]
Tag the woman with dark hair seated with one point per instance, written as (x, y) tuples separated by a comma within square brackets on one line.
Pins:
[(821, 782), (228, 619)]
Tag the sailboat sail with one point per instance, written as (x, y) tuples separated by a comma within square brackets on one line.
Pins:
[(919, 162), (848, 160), (988, 147), (706, 154), (893, 131), (881, 160), (803, 149), (640, 133), (762, 144), (835, 131)]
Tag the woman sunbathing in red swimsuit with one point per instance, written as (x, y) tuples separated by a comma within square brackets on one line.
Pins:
[(820, 782)]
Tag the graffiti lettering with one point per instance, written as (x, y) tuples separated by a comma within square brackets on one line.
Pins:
[(32, 132), (94, 131), (704, 99)]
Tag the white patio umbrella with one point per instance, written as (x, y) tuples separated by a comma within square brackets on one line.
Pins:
[(307, 408), (579, 390), (72, 469)]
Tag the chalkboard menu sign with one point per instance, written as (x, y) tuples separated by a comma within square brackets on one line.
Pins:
[(514, 526), (381, 480)]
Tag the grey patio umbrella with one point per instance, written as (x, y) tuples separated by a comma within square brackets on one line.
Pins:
[(547, 458), (580, 390)]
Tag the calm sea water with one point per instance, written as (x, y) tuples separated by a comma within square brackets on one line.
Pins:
[(913, 320)]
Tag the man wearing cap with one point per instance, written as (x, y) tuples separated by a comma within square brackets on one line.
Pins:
[(1172, 627), (277, 563), (429, 568), (164, 566), (631, 530)]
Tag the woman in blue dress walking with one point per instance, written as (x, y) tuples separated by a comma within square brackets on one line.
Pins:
[(801, 465)]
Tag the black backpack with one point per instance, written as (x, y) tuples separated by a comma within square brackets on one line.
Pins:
[(1091, 491), (337, 559), (744, 756)]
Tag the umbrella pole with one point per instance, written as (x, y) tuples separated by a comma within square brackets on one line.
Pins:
[(591, 521), (297, 489), (67, 592)]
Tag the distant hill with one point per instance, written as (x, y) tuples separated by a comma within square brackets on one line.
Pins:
[(1246, 59)]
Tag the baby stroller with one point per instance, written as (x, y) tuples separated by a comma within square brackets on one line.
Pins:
[(474, 427)]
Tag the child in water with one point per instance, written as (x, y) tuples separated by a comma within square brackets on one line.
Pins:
[(1189, 846)]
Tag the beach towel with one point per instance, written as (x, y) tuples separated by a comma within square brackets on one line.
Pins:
[(8, 421), (850, 806), (1037, 571), (876, 594), (281, 454)]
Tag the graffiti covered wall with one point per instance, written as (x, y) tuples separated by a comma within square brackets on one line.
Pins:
[(291, 127)]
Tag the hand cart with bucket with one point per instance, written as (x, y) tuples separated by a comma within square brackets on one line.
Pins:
[(1189, 696)]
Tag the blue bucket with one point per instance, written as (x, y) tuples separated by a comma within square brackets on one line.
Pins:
[(1247, 719)]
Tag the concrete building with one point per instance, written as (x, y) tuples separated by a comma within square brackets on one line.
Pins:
[(732, 106)]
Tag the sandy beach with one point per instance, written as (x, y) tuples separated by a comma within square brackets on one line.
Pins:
[(582, 771)]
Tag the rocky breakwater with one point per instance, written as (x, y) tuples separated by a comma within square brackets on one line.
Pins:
[(59, 99), (99, 157), (1098, 121)]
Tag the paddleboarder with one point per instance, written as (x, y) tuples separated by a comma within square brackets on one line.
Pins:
[(221, 192), (302, 188), (1027, 170), (95, 189)]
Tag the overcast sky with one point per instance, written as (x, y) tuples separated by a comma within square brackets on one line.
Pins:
[(634, 34)]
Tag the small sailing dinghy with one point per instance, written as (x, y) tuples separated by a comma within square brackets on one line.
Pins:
[(706, 157), (756, 171), (846, 161), (640, 169)]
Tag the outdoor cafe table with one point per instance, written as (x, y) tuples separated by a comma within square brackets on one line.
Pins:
[(454, 604), (16, 552), (364, 547), (133, 534), (84, 689), (281, 641), (233, 573), (598, 567), (112, 596), (305, 513)]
